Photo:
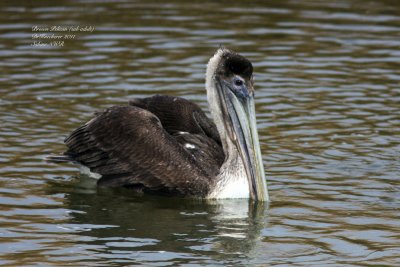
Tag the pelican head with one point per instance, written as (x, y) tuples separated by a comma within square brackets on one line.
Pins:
[(230, 92)]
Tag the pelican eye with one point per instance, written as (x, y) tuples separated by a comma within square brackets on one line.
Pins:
[(238, 87), (238, 82)]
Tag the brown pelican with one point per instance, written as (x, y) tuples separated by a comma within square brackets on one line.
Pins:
[(167, 145)]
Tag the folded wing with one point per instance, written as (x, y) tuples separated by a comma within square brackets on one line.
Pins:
[(160, 144)]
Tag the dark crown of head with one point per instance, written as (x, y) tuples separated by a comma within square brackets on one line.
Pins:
[(233, 63)]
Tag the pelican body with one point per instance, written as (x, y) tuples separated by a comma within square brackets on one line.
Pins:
[(167, 145)]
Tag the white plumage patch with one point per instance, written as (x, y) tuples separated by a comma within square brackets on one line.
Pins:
[(232, 180), (212, 95), (213, 65), (190, 146), (86, 171), (234, 188)]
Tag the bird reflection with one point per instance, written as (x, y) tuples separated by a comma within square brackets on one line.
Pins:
[(119, 223)]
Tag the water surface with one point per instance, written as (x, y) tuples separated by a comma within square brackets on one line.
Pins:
[(328, 104)]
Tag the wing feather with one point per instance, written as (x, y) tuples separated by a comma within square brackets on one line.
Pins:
[(128, 146), (178, 114)]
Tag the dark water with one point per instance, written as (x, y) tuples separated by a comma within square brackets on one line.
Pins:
[(328, 104)]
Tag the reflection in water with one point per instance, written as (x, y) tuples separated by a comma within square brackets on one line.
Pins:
[(121, 227)]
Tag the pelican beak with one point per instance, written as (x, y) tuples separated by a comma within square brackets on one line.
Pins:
[(240, 120)]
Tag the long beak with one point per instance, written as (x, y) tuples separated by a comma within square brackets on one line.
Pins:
[(241, 112)]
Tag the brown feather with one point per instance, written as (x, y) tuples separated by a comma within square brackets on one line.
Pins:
[(140, 146)]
